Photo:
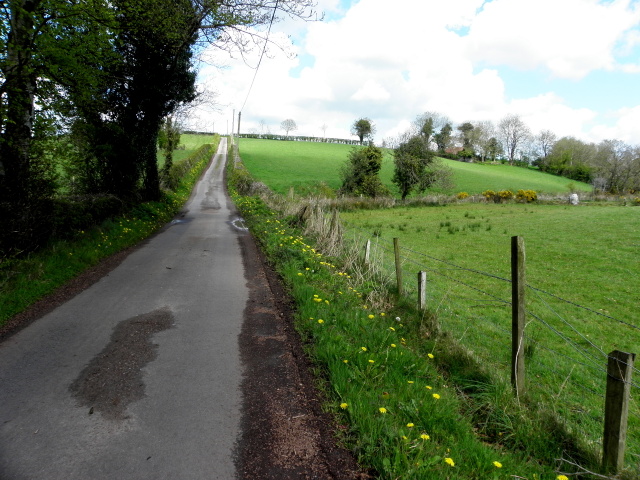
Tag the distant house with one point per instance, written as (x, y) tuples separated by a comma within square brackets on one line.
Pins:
[(453, 150)]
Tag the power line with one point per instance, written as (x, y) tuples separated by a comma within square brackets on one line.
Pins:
[(275, 8)]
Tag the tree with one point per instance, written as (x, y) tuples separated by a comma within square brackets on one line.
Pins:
[(466, 135), (513, 133), (435, 120), (443, 138), (483, 132), (363, 128), (545, 141), (571, 158), (168, 140), (360, 173), (324, 130), (618, 166), (415, 169), (288, 125)]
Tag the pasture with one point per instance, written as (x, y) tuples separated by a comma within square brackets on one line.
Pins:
[(582, 271), (305, 165)]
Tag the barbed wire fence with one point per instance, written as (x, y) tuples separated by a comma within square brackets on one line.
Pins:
[(566, 369)]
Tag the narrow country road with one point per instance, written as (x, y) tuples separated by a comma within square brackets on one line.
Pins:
[(181, 362), (137, 377)]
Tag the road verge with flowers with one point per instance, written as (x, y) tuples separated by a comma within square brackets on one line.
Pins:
[(397, 412)]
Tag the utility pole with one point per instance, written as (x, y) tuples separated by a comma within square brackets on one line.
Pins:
[(239, 117), (233, 121)]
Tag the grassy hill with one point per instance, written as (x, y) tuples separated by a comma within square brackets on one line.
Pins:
[(304, 165)]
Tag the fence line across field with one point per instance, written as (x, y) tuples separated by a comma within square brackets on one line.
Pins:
[(616, 404)]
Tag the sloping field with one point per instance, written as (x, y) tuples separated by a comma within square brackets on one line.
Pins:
[(305, 165)]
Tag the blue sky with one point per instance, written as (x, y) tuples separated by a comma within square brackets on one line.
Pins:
[(569, 66)]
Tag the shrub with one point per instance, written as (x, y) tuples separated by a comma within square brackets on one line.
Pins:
[(489, 195), (498, 197), (462, 195), (526, 196)]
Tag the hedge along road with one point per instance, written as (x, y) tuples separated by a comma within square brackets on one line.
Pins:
[(164, 367)]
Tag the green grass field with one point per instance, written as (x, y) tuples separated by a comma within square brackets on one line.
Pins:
[(586, 254), (582, 271), (304, 165)]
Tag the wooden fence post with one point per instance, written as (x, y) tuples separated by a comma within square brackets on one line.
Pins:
[(367, 252), (517, 314), (396, 249), (616, 410), (422, 290)]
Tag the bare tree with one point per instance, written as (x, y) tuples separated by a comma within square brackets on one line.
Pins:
[(513, 134), (288, 125), (483, 132), (544, 142)]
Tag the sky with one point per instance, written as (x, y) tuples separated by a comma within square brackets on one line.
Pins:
[(569, 66)]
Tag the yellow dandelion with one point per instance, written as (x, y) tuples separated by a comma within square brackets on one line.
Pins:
[(430, 355), (345, 361), (344, 405), (424, 436), (410, 425), (393, 345), (371, 316), (371, 361), (497, 464), (320, 320), (449, 461), (562, 477), (382, 314), (382, 410), (409, 381), (436, 396), (392, 329), (364, 349), (299, 274), (428, 387)]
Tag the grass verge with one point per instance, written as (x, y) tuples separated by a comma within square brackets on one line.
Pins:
[(411, 403), (23, 281)]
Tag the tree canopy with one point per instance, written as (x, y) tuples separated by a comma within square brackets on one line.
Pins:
[(104, 74), (363, 128)]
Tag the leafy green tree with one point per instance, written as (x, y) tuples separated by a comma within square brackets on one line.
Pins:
[(443, 137), (493, 149), (363, 128), (466, 134), (168, 140), (360, 174), (414, 167)]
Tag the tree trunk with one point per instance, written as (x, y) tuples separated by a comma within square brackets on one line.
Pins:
[(20, 86)]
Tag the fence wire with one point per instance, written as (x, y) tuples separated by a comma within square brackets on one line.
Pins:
[(583, 373)]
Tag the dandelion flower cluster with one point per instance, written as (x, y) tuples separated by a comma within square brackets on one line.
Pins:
[(344, 405), (449, 461)]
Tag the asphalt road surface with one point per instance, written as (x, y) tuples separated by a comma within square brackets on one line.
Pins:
[(138, 376)]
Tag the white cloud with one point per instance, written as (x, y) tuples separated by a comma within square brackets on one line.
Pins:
[(570, 38), (390, 66)]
